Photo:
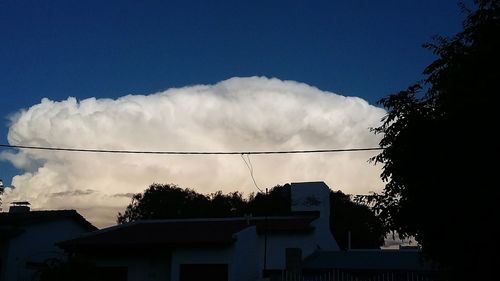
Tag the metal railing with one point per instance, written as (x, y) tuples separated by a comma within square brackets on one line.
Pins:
[(357, 275)]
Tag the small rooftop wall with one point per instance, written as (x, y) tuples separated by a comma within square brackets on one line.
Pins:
[(311, 196), (315, 196)]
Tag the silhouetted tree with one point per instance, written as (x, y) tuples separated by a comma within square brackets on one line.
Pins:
[(276, 202), (226, 205), (439, 143), (170, 201), (349, 217)]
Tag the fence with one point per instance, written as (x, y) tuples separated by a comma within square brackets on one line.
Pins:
[(356, 275)]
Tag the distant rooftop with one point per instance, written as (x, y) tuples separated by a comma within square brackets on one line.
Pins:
[(20, 203), (154, 234), (12, 222)]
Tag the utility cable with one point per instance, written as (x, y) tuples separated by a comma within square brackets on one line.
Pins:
[(189, 152), (250, 169)]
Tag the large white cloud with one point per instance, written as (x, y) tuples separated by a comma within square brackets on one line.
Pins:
[(253, 113)]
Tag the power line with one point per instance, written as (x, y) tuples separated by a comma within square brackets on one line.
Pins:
[(190, 152), (250, 169)]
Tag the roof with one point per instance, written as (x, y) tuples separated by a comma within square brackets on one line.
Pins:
[(368, 260), (12, 223), (155, 234), (25, 203)]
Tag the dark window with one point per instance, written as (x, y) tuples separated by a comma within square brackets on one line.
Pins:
[(201, 272), (112, 273)]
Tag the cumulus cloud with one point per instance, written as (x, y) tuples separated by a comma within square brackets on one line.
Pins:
[(254, 113)]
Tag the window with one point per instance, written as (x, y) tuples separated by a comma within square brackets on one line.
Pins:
[(200, 272), (112, 273)]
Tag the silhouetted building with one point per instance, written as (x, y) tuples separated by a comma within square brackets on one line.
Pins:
[(295, 247), (214, 249), (27, 238)]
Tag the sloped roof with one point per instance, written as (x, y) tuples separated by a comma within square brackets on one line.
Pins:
[(11, 223), (160, 234)]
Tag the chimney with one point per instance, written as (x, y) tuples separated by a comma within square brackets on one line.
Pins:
[(19, 207), (315, 197), (311, 196)]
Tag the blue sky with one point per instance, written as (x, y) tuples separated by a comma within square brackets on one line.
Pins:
[(109, 49)]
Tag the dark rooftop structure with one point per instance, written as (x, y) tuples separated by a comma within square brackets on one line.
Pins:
[(14, 219), (27, 238), (153, 234)]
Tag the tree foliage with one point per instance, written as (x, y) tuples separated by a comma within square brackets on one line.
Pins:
[(438, 140), (170, 201), (348, 217)]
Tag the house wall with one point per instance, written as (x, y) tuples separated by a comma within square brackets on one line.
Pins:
[(200, 256), (323, 235), (4, 247), (245, 261), (277, 244), (246, 257), (140, 268), (242, 260), (36, 244), (315, 196)]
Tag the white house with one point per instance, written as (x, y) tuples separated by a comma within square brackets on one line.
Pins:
[(27, 238), (246, 248)]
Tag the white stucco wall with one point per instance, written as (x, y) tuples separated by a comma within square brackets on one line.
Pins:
[(242, 257), (36, 244), (277, 244), (199, 256), (245, 262), (315, 196), (323, 236), (140, 267)]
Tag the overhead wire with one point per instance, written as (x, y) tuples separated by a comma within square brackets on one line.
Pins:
[(247, 161), (92, 150), (250, 169)]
